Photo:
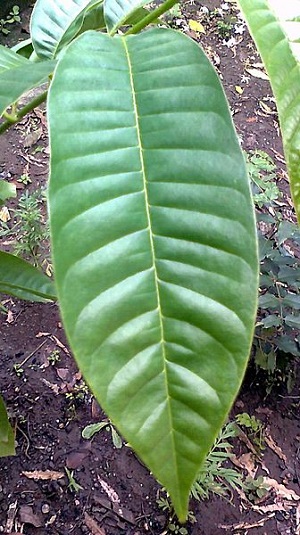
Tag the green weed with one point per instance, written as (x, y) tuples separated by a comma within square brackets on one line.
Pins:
[(90, 430), (73, 486), (254, 428), (12, 18), (255, 489)]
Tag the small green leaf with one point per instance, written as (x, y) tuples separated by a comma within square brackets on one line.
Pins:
[(7, 435), (117, 441), (7, 191), (286, 230), (292, 321), (288, 344), (21, 279), (292, 301), (268, 300), (90, 430), (271, 321)]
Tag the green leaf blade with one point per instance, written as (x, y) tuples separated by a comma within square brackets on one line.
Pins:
[(275, 28), (20, 77), (7, 435), (116, 12), (9, 59), (54, 23), (156, 273), (21, 279)]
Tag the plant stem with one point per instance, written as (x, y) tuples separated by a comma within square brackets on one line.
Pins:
[(21, 113), (152, 16)]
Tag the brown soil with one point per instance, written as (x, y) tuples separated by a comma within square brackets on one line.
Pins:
[(117, 494)]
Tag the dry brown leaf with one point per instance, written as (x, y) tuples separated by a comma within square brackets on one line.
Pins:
[(76, 458), (60, 344), (298, 520), (243, 437), (10, 317), (54, 387), (11, 514), (33, 137), (40, 335), (246, 462), (111, 493), (281, 490), (273, 446), (245, 525), (95, 410), (92, 525), (64, 374), (4, 214), (272, 508), (257, 73), (27, 516), (44, 474)]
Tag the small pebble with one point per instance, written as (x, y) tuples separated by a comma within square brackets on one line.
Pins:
[(45, 508)]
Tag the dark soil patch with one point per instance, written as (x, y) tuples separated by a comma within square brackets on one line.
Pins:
[(50, 407)]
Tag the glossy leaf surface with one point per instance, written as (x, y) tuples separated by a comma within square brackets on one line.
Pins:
[(275, 27), (7, 436), (19, 75), (54, 23), (116, 12), (21, 279), (155, 257)]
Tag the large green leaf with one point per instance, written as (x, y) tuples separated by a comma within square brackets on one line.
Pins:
[(9, 59), (21, 279), (155, 257), (19, 75), (54, 23), (7, 436), (117, 12), (275, 27)]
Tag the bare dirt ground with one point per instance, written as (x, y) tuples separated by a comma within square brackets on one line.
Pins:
[(111, 491)]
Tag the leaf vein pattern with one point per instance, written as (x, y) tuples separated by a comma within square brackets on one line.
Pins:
[(163, 346), (210, 299)]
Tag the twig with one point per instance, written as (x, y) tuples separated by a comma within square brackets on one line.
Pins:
[(21, 113), (32, 353), (152, 16)]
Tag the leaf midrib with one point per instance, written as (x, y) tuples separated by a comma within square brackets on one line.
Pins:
[(156, 278)]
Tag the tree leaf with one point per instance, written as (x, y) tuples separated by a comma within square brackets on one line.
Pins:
[(117, 12), (292, 301), (275, 27), (155, 257), (292, 321), (268, 300), (7, 436), (18, 75), (9, 59), (7, 191), (271, 321), (21, 279), (54, 23)]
